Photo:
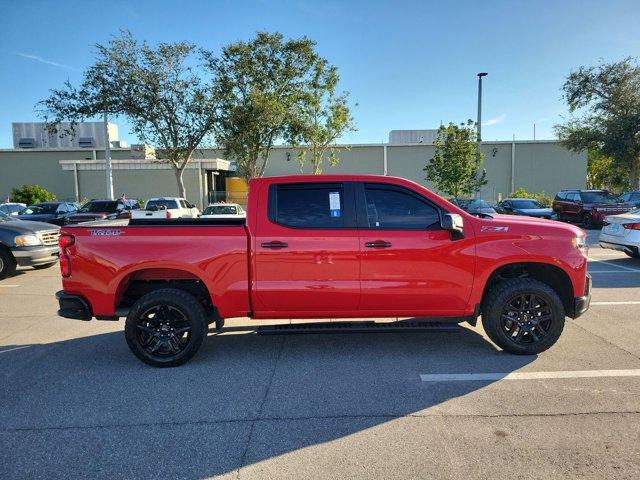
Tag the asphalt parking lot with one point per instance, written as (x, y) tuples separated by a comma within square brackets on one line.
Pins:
[(75, 403)]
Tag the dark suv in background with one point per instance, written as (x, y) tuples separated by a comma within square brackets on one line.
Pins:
[(588, 207), (631, 197), (103, 209)]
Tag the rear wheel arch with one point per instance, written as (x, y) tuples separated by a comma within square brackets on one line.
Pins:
[(138, 283)]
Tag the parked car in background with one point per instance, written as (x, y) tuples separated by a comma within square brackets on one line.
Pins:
[(474, 206), (167, 207), (28, 244), (224, 210), (103, 209), (631, 197), (622, 233), (529, 207), (50, 212), (10, 208), (588, 207)]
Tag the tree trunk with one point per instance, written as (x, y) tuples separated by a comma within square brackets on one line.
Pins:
[(634, 175), (182, 192)]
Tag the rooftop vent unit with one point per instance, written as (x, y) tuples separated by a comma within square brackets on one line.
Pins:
[(86, 142), (27, 143)]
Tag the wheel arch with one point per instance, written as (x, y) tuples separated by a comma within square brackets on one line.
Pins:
[(546, 273)]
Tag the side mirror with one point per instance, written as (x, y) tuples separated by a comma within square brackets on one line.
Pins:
[(454, 223)]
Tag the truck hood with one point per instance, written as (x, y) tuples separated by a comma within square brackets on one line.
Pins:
[(531, 225), (24, 227)]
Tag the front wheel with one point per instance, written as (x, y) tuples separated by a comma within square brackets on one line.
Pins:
[(587, 221), (523, 316), (165, 328), (7, 264)]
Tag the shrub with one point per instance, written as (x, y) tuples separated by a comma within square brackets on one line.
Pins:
[(31, 194), (541, 197)]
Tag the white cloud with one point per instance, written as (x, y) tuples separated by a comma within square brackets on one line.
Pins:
[(493, 121), (37, 58)]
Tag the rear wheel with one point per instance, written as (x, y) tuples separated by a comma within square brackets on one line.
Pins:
[(523, 316), (587, 221), (165, 328), (46, 265), (7, 264)]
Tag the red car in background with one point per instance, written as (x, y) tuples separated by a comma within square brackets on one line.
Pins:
[(588, 207)]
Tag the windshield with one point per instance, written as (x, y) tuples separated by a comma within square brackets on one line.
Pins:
[(526, 204), (5, 218), (598, 197), (162, 204), (221, 210), (40, 209), (99, 207)]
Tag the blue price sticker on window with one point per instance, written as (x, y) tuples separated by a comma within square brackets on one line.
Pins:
[(334, 204)]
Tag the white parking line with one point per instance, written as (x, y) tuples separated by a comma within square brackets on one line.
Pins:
[(9, 286), (610, 264), (473, 377), (610, 271), (615, 303)]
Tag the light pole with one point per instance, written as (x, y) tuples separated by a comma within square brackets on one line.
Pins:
[(107, 159), (479, 123)]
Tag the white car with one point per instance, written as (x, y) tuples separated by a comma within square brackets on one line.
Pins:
[(622, 232), (166, 207), (224, 210)]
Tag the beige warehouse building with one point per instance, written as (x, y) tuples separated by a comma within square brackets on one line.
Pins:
[(78, 173)]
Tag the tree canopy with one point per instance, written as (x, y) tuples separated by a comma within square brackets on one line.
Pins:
[(169, 104), (268, 88), (456, 161), (604, 103)]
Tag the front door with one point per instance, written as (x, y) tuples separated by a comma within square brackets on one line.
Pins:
[(410, 265), (306, 253)]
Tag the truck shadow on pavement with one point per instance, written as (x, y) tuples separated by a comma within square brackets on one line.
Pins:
[(88, 408)]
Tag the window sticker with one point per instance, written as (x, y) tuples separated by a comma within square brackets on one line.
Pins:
[(334, 204)]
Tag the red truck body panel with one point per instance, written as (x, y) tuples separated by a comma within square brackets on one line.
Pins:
[(322, 273)]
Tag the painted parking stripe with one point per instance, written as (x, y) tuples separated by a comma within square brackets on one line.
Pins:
[(474, 377), (615, 303), (611, 264), (9, 286), (620, 272)]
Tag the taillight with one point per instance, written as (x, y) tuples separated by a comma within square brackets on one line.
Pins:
[(631, 226), (168, 214), (64, 242)]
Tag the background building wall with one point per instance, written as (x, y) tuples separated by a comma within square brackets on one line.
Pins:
[(539, 166)]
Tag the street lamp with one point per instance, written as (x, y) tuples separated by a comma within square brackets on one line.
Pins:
[(479, 124)]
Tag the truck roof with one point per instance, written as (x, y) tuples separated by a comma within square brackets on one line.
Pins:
[(328, 178)]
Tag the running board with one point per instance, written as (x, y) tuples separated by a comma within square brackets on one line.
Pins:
[(357, 327)]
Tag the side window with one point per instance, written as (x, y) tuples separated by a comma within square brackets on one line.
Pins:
[(562, 196), (393, 208), (317, 205), (71, 207), (183, 204), (62, 208)]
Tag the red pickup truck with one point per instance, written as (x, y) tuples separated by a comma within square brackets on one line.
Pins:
[(329, 246)]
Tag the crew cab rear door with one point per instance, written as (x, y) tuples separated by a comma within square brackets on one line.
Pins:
[(306, 252), (409, 264)]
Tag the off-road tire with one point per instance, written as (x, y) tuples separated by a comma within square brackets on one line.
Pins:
[(497, 300), (178, 301), (7, 264)]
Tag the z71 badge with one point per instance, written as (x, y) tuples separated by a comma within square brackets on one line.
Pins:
[(494, 229), (106, 233)]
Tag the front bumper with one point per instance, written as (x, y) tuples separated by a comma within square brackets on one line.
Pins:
[(30, 256), (581, 304), (73, 306), (632, 249)]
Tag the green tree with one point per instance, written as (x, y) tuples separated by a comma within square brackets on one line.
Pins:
[(456, 162), (604, 172), (264, 85), (321, 118), (604, 101), (541, 197), (30, 194), (157, 89)]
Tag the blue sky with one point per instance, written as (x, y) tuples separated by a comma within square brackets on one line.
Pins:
[(406, 64)]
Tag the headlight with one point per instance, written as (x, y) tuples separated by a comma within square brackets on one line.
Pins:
[(27, 241), (581, 244)]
